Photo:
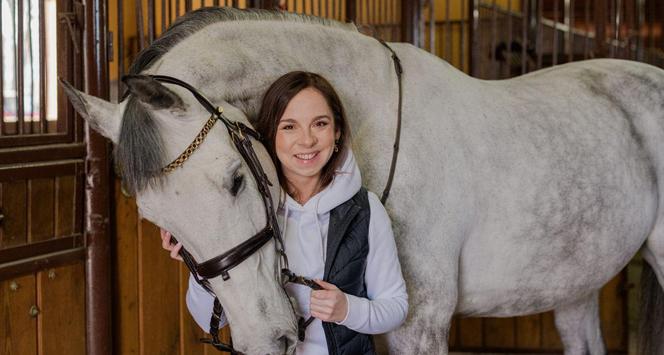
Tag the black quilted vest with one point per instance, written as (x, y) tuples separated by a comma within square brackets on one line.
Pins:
[(345, 265)]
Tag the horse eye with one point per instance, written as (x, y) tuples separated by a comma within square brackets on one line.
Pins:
[(237, 184)]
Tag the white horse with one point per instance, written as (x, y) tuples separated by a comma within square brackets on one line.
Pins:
[(510, 197)]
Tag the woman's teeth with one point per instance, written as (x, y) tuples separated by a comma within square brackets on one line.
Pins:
[(306, 156)]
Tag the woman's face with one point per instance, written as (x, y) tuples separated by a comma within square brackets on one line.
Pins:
[(305, 136)]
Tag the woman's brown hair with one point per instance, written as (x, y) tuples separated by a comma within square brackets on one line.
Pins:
[(277, 97)]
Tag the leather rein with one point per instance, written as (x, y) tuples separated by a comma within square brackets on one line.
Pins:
[(219, 266)]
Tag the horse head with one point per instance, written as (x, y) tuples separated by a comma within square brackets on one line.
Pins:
[(211, 203)]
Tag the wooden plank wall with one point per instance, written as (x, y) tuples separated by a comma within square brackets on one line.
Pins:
[(41, 312), (150, 314), (537, 333)]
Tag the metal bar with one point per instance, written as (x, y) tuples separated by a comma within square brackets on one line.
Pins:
[(216, 3), (163, 16), (586, 39), (555, 31), (151, 25), (447, 50), (177, 8), (640, 19), (432, 27), (600, 29), (351, 11), (630, 20), (120, 47), (651, 37), (187, 5), (2, 80), (462, 52), (409, 21), (43, 80), (31, 66), (524, 35), (612, 17), (539, 33), (19, 68), (474, 61), (337, 6), (139, 24), (97, 194), (508, 52), (494, 36), (570, 21), (618, 23)]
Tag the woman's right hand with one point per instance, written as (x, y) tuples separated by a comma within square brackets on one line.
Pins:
[(174, 249)]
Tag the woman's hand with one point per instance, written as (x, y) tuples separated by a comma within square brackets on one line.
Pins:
[(174, 249), (328, 304)]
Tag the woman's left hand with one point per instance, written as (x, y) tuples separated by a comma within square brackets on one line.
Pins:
[(328, 304)]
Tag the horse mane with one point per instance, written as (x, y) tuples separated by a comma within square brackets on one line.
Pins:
[(139, 155), (196, 20)]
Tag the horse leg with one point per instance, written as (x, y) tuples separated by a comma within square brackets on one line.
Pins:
[(432, 301), (578, 326)]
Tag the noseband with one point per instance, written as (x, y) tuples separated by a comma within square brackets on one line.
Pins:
[(219, 266)]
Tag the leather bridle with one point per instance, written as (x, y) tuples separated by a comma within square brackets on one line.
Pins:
[(241, 136)]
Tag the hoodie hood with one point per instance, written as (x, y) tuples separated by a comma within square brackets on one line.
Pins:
[(346, 183)]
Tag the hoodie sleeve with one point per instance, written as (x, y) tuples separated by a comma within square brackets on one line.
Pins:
[(200, 304), (386, 305)]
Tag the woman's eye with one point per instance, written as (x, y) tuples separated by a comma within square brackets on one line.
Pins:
[(237, 184), (321, 123), (287, 127)]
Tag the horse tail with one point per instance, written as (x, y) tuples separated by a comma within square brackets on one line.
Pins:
[(651, 320)]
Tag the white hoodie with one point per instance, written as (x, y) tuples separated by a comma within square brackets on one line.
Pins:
[(305, 236)]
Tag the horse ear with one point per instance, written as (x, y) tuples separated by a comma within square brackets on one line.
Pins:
[(152, 92), (103, 116)]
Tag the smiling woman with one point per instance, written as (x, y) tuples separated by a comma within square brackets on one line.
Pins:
[(334, 230)]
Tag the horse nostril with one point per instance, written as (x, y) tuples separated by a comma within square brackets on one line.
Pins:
[(286, 342)]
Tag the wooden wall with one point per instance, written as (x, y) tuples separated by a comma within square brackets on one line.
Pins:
[(150, 314), (537, 333)]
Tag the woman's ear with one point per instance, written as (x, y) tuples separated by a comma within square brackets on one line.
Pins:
[(337, 134)]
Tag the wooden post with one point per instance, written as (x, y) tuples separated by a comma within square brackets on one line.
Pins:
[(97, 207)]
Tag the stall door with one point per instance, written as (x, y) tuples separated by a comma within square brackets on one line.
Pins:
[(42, 155)]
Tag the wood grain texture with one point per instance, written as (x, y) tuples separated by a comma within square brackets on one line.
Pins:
[(125, 276), (454, 333), (158, 295), (65, 188), (62, 302), (528, 332), (499, 333), (190, 331), (470, 333), (41, 215), (550, 337), (14, 207), (613, 313), (18, 330)]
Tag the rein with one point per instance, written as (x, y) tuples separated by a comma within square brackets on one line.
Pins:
[(219, 266)]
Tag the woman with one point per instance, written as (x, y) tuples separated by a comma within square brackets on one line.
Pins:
[(364, 293)]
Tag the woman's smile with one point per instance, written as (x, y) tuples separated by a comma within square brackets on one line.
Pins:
[(307, 158)]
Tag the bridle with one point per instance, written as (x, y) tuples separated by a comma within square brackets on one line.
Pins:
[(220, 265)]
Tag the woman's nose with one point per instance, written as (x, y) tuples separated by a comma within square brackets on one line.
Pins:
[(308, 138)]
